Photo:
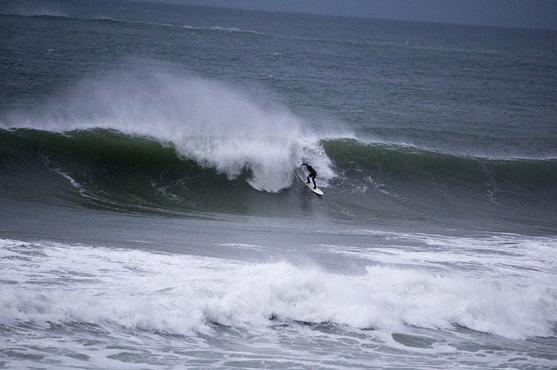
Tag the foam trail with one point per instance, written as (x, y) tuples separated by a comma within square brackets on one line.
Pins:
[(206, 120)]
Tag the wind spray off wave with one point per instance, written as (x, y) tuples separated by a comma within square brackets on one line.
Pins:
[(205, 120)]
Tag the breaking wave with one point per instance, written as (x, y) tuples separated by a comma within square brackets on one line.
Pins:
[(215, 291), (171, 140), (204, 120)]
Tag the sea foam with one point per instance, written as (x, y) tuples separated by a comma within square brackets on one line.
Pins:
[(188, 294)]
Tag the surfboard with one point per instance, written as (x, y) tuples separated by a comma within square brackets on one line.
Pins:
[(300, 175)]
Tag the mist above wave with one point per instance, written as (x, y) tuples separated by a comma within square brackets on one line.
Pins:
[(217, 125)]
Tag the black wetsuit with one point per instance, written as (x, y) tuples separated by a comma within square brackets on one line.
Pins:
[(311, 175)]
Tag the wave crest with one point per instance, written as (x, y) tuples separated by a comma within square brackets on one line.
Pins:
[(206, 120)]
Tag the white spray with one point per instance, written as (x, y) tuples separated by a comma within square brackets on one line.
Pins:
[(206, 120)]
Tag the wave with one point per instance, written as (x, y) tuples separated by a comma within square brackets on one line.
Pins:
[(226, 29), (216, 125), (348, 156), (176, 141), (365, 156), (55, 14), (126, 171), (136, 287), (185, 26), (50, 14)]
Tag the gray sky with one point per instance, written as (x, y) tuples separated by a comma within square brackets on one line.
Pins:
[(510, 13)]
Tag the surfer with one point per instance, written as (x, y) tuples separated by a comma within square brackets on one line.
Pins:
[(312, 174)]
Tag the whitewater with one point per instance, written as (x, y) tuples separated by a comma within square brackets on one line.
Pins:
[(150, 217), (387, 307)]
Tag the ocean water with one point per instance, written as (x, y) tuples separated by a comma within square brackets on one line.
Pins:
[(150, 217)]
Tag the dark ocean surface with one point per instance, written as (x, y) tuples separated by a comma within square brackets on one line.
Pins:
[(150, 217)]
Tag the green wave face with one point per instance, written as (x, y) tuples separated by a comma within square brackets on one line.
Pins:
[(441, 185), (114, 170), (410, 165), (107, 169)]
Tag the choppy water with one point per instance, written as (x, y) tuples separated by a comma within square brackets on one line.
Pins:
[(149, 216)]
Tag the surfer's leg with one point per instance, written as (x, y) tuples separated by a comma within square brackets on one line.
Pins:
[(307, 179), (313, 179)]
